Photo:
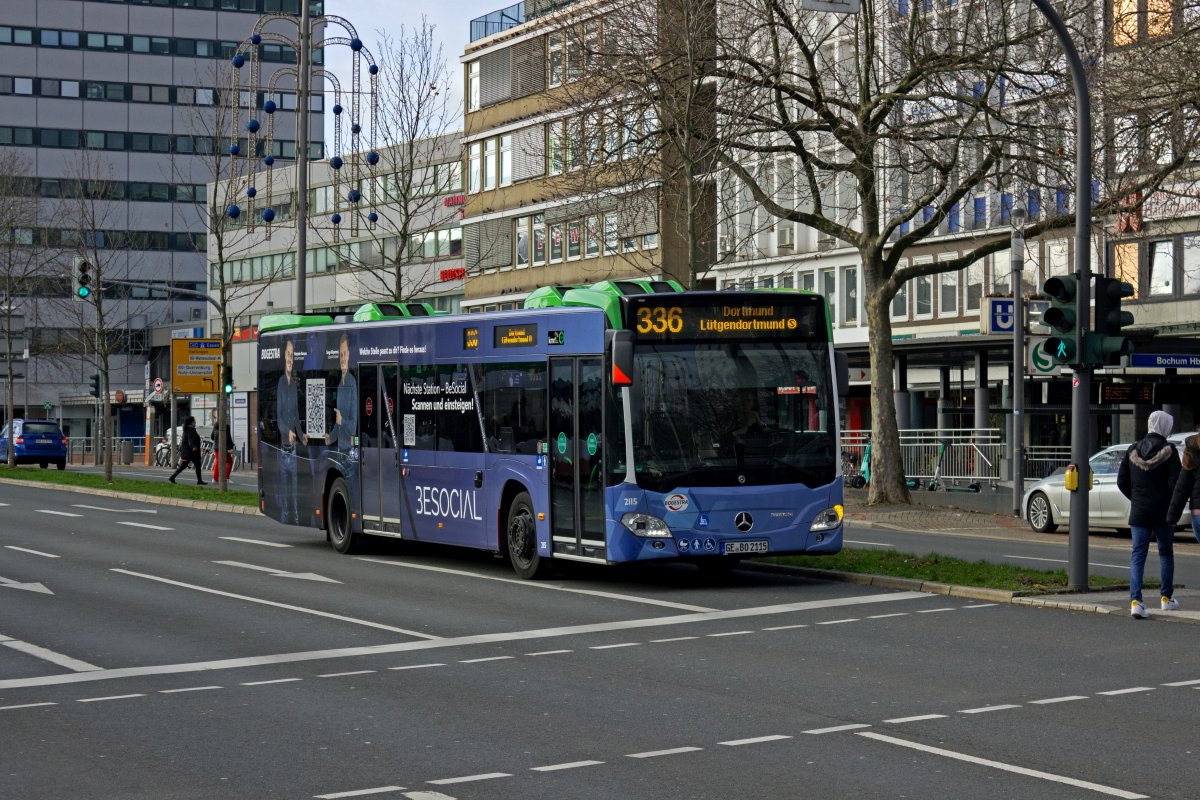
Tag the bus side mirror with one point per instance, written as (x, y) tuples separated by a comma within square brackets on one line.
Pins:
[(841, 369), (622, 358)]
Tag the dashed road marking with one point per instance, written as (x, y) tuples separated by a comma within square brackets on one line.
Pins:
[(1032, 773), (49, 655), (486, 776), (190, 689), (417, 666), (1065, 699), (265, 683), (254, 541), (146, 526), (674, 751), (837, 729), (934, 610), (918, 718), (550, 652), (481, 660), (785, 627), (674, 639), (837, 621), (1132, 690), (26, 705), (57, 513), (347, 674), (359, 792), (988, 709), (110, 697), (755, 740), (568, 765), (729, 633), (886, 616), (31, 552), (1183, 683), (981, 605), (613, 646)]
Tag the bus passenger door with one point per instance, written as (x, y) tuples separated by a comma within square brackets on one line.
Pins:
[(577, 518), (377, 449)]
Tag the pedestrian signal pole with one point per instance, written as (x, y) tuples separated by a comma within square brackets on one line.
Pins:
[(1081, 381)]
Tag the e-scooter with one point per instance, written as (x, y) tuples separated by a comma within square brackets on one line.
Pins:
[(937, 484)]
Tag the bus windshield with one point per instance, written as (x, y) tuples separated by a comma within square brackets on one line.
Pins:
[(749, 413)]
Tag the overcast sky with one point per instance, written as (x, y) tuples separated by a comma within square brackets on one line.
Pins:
[(451, 20)]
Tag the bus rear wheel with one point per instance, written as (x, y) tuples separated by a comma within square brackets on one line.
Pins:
[(520, 539), (337, 518)]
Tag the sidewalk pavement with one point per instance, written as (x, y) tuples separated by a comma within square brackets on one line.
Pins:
[(930, 518)]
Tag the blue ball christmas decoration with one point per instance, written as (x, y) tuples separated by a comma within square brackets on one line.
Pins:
[(337, 108), (251, 192), (356, 45), (269, 106), (253, 126), (336, 219), (268, 214), (372, 158), (234, 212), (336, 162), (373, 69), (356, 128), (354, 196), (234, 149), (256, 39), (373, 217), (239, 61), (269, 160)]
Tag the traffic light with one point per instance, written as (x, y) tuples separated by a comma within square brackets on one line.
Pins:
[(1108, 343), (227, 379), (1063, 318), (95, 391), (83, 279)]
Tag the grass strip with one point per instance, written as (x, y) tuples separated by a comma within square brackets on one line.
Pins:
[(945, 569), (180, 491)]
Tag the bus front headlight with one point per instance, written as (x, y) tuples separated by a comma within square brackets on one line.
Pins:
[(646, 525), (828, 519)]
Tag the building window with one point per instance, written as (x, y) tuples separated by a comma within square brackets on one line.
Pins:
[(556, 244), (506, 159), (574, 240), (948, 294), (850, 294), (808, 281), (554, 58), (924, 296), (900, 303), (539, 240), (1001, 274), (474, 165), (489, 164), (649, 241), (973, 293), (1162, 268), (554, 145), (610, 234), (829, 290), (473, 86), (522, 241), (592, 243)]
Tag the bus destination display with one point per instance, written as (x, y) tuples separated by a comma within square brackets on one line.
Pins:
[(515, 335), (654, 319)]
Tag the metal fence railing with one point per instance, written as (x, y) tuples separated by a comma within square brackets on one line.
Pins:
[(956, 456)]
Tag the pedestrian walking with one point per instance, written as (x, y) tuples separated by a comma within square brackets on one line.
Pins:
[(1187, 488), (190, 454), (216, 476), (1147, 476)]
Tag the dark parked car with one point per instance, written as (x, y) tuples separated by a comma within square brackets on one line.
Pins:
[(34, 441)]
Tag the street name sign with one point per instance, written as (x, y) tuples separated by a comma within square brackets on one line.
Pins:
[(1165, 360)]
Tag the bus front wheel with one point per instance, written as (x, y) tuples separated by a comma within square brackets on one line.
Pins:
[(520, 539), (337, 517)]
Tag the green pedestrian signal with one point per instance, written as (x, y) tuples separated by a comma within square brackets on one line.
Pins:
[(82, 278), (1108, 344), (1063, 317)]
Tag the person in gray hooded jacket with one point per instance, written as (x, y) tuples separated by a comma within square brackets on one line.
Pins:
[(1147, 477)]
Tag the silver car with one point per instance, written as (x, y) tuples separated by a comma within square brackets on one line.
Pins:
[(1047, 503)]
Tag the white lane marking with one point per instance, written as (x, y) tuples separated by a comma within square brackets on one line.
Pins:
[(613, 646), (278, 573), (784, 627), (144, 525), (347, 674), (253, 541), (44, 654), (57, 513), (428, 796), (1183, 683), (872, 544), (359, 792), (532, 585), (885, 616), (674, 639), (9, 583), (31, 552), (672, 752), (486, 776), (987, 709), (457, 641), (729, 633), (550, 652), (25, 705), (918, 718), (981, 605), (301, 609), (481, 660), (836, 729), (116, 510), (1134, 690), (935, 610), (837, 621), (417, 666), (190, 689), (1064, 561), (112, 697), (1032, 773), (1064, 699), (756, 740), (264, 683), (568, 765)]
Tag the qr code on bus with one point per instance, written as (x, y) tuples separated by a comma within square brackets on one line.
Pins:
[(410, 430), (314, 406)]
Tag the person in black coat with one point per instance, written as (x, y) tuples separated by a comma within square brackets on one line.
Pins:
[(1187, 488), (1147, 477), (189, 455)]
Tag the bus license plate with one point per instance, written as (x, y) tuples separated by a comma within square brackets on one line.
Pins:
[(734, 548)]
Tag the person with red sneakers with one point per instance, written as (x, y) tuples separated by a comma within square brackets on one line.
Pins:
[(1147, 476)]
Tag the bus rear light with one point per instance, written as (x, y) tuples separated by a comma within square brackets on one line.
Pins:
[(828, 519), (646, 525)]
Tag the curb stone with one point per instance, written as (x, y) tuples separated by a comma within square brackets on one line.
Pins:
[(141, 498)]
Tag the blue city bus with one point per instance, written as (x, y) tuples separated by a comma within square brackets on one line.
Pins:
[(624, 421)]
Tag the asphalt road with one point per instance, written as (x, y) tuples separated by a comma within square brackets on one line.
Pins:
[(160, 652)]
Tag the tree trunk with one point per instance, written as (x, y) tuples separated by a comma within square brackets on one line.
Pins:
[(887, 468)]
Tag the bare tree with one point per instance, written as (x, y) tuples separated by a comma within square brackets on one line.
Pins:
[(20, 256), (876, 130)]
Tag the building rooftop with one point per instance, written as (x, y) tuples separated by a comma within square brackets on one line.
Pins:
[(512, 16)]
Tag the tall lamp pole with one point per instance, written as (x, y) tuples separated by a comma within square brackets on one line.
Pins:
[(1077, 557), (1017, 260)]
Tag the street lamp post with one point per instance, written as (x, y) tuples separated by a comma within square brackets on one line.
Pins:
[(1017, 261)]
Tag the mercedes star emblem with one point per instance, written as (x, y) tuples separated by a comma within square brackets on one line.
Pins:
[(743, 522)]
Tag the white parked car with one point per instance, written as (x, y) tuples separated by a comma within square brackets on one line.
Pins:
[(1047, 503)]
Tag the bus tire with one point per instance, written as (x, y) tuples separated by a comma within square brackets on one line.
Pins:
[(520, 539), (337, 518)]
